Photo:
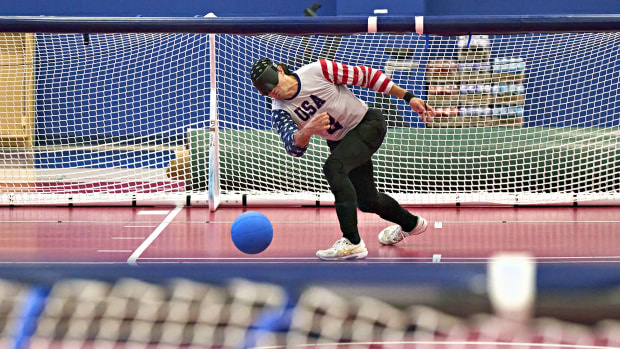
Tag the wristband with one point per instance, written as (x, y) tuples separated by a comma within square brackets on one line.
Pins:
[(408, 96)]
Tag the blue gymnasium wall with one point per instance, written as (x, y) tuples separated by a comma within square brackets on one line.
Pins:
[(522, 7), (189, 8), (152, 97)]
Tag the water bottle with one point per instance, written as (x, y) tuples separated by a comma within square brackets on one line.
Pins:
[(511, 112), (502, 89), (484, 42), (519, 112), (512, 90), (506, 112)]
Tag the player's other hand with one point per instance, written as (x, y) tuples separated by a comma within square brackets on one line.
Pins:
[(425, 111), (318, 124)]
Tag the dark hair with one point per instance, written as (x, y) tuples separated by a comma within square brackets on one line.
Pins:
[(285, 68)]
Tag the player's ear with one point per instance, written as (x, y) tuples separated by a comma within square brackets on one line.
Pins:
[(280, 70)]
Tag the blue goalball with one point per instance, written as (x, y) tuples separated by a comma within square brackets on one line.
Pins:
[(251, 232)]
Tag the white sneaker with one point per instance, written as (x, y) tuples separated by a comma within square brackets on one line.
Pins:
[(395, 234), (343, 249)]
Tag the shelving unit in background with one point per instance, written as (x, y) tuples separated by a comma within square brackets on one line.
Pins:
[(17, 111), (474, 91)]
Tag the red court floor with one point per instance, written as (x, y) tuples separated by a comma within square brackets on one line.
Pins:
[(193, 234)]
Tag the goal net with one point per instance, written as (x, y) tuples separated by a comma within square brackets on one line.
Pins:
[(117, 118)]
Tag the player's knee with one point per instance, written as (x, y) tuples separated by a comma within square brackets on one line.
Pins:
[(366, 205), (333, 169)]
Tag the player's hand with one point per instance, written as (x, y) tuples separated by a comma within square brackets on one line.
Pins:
[(318, 124), (425, 111)]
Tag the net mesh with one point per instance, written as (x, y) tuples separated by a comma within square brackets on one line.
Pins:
[(528, 118), (181, 313), (88, 116)]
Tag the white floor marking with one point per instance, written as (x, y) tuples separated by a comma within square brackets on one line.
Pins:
[(464, 343), (153, 212), (309, 222), (443, 259), (138, 252), (316, 261)]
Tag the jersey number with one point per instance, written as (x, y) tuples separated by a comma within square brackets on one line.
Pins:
[(335, 125)]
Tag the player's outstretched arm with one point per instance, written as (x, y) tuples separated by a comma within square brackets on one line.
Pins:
[(342, 74), (425, 111), (338, 73)]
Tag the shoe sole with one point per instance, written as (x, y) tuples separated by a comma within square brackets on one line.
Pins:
[(413, 232), (383, 243), (343, 258)]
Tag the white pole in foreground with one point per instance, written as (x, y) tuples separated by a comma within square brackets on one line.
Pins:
[(512, 286)]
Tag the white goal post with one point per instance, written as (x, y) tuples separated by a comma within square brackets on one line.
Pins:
[(142, 118)]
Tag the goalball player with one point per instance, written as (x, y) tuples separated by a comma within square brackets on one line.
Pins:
[(315, 101)]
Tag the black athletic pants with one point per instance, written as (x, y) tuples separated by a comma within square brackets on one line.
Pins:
[(349, 172)]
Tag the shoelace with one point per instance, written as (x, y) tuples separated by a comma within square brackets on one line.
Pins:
[(402, 234), (394, 237), (339, 244)]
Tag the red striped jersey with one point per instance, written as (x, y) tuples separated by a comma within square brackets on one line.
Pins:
[(322, 89)]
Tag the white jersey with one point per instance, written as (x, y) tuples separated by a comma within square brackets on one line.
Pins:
[(321, 89)]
